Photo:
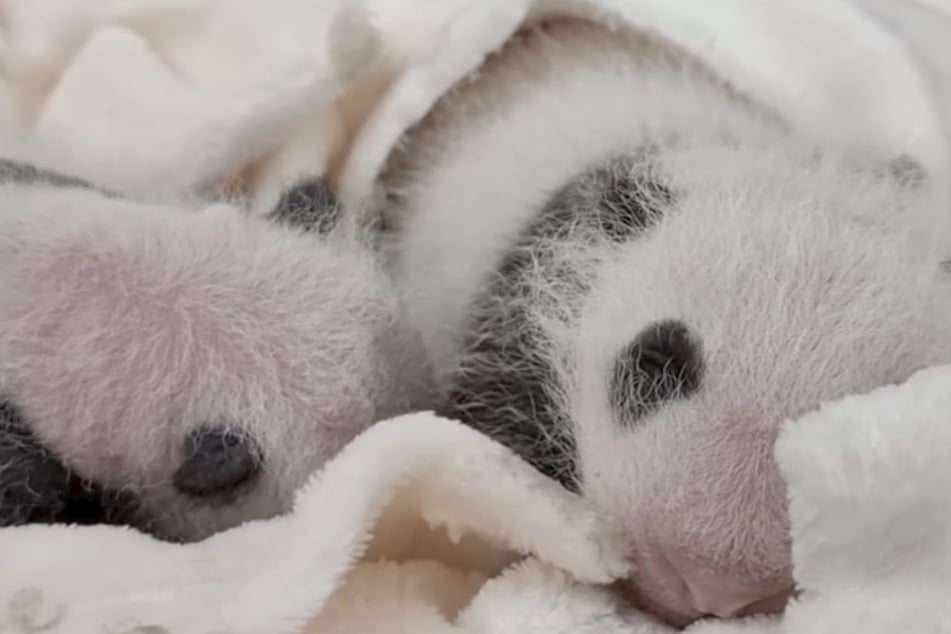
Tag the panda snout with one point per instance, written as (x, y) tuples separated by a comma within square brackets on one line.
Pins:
[(681, 593), (217, 460)]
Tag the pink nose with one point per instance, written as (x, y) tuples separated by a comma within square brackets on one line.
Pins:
[(714, 594)]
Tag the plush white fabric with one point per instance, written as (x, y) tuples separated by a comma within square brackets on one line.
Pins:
[(170, 97), (166, 97), (369, 547)]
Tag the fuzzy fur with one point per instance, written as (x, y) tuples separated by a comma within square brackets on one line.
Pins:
[(128, 330), (803, 273)]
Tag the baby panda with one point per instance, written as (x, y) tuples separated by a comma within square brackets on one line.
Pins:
[(633, 277), (184, 370)]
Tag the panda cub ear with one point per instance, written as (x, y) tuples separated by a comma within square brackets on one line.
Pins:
[(309, 205)]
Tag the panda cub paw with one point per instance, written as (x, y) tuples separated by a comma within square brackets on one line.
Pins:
[(36, 487)]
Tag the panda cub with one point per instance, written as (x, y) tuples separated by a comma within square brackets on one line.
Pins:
[(185, 369), (633, 277)]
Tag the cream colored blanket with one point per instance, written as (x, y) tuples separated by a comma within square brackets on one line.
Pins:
[(422, 526)]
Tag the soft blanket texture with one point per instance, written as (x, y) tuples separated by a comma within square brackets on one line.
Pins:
[(420, 526), (171, 98)]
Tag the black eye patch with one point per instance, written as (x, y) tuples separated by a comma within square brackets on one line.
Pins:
[(662, 364), (217, 460), (309, 206)]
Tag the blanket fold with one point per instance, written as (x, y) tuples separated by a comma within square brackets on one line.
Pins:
[(440, 496)]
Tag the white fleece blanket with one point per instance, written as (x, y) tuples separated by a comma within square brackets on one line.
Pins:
[(175, 97), (422, 526)]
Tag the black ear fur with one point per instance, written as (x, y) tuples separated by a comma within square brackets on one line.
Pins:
[(310, 205)]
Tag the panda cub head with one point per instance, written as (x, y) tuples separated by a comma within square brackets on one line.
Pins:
[(183, 372), (752, 295)]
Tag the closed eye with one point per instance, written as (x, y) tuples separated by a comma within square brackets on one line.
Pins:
[(663, 363)]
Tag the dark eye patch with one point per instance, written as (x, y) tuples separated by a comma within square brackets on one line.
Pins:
[(662, 364), (217, 459), (310, 206)]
